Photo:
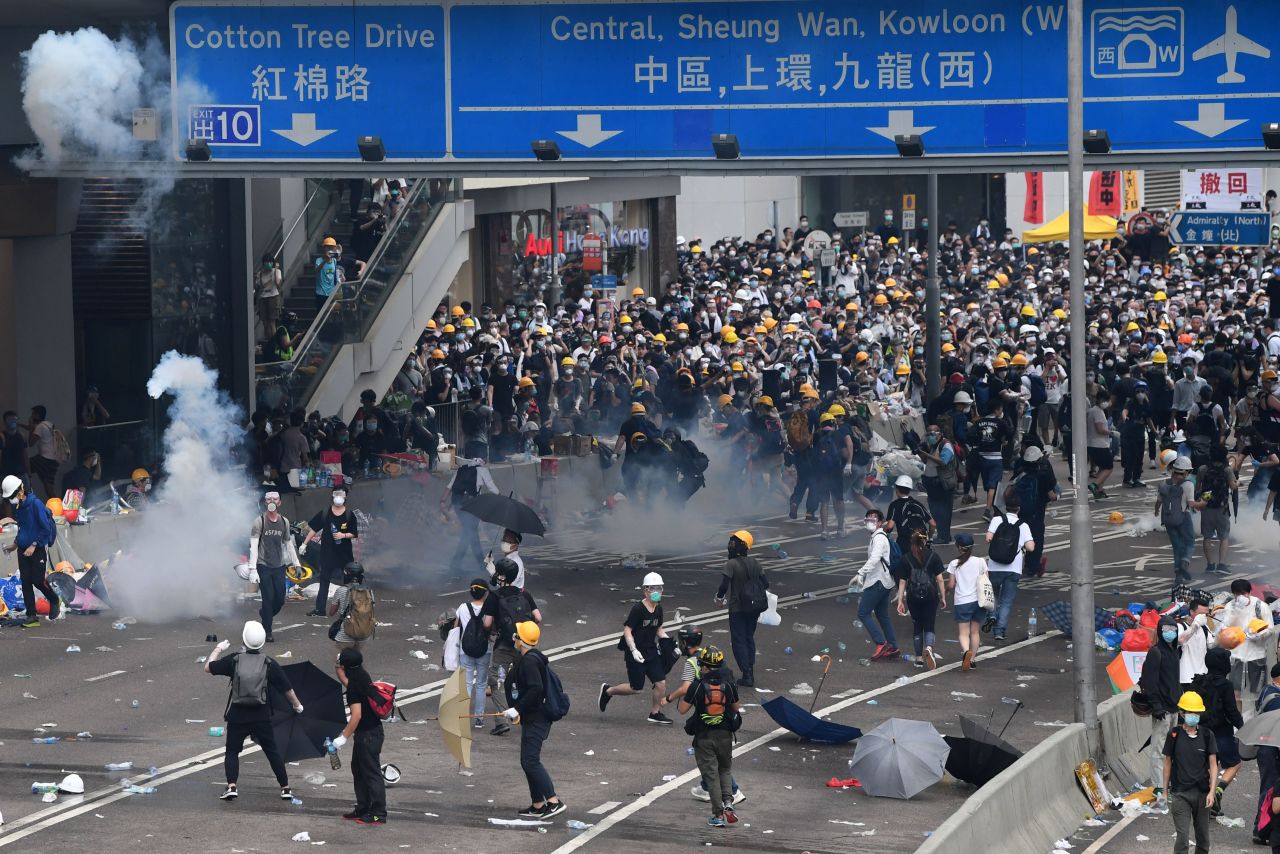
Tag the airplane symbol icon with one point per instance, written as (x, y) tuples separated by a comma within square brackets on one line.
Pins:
[(1230, 44)]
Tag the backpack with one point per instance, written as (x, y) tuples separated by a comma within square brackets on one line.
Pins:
[(828, 457), (382, 699), (470, 423), (914, 516), (475, 640), (753, 597), (1171, 512), (715, 699), (467, 483), (357, 621), (513, 607), (555, 702), (1212, 717), (700, 460), (1214, 482), (771, 436), (895, 550), (61, 447), (860, 437), (249, 683), (1039, 394), (798, 432), (1004, 542), (919, 583)]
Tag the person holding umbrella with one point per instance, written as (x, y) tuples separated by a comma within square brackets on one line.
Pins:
[(510, 548), (248, 709), (467, 482), (365, 727)]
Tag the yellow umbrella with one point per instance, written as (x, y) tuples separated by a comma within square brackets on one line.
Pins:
[(1095, 228), (455, 725)]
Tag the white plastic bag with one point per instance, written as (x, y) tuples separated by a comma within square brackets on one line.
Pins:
[(452, 649), (771, 617)]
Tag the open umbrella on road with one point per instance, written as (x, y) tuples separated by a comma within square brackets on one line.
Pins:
[(455, 723), (979, 754), (1059, 613), (505, 512), (1261, 730), (324, 712), (899, 758)]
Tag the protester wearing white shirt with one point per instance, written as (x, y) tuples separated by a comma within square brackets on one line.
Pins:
[(1249, 659), (1195, 638), (964, 574), (1005, 577), (877, 586)]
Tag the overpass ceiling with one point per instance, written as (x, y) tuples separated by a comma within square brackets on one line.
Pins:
[(72, 14)]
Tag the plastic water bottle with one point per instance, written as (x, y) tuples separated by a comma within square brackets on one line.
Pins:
[(52, 739), (217, 731), (43, 788), (141, 790), (576, 826), (335, 761), (528, 450), (115, 503), (1033, 625)]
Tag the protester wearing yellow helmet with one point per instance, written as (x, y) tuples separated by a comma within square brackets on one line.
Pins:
[(743, 579), (457, 311)]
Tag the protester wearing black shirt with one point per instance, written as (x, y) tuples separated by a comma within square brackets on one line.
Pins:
[(500, 613), (1190, 771), (364, 729), (639, 646), (921, 593), (335, 528), (251, 719), (525, 691)]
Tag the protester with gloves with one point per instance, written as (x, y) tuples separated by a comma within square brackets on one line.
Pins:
[(877, 585), (639, 645), (364, 730), (525, 691), (35, 534), (248, 713), (271, 550)]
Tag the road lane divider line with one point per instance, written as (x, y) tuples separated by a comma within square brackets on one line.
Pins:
[(105, 676)]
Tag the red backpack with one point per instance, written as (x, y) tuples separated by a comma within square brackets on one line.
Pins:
[(382, 699)]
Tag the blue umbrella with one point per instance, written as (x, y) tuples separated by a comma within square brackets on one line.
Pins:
[(790, 716)]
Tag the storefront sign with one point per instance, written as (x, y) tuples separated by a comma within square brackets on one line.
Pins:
[(572, 242)]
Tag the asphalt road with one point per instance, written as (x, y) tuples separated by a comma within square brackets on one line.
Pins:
[(626, 777)]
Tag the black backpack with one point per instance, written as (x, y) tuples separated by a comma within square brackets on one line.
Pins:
[(1039, 395), (919, 582), (1004, 542), (753, 596), (475, 640), (699, 460), (914, 517), (827, 452), (513, 607), (555, 702), (249, 682), (1214, 483), (467, 482)]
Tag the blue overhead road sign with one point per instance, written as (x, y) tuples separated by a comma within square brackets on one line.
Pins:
[(1207, 228), (278, 81), (791, 78)]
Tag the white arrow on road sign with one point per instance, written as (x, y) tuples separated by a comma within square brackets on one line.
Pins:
[(589, 133), (304, 131), (1212, 121), (901, 123)]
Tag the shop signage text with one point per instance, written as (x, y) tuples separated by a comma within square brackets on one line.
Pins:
[(570, 242)]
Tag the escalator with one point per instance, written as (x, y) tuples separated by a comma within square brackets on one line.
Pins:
[(363, 332)]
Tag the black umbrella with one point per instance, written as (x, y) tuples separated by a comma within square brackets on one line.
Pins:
[(324, 712), (505, 512), (979, 755)]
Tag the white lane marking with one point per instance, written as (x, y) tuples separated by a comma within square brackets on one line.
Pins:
[(605, 807), (105, 676), (44, 819), (1111, 834), (286, 628), (666, 788)]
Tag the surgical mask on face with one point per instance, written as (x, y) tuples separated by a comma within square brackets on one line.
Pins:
[(1170, 635), (655, 596), (1191, 718), (371, 426), (871, 526), (272, 506), (508, 548), (339, 500)]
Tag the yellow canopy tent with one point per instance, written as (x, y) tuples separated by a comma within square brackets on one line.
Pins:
[(1095, 228)]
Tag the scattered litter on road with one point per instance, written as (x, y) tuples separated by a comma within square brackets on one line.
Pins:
[(420, 639), (119, 766), (217, 732), (195, 720), (1230, 822), (965, 695), (787, 651), (1062, 845), (805, 629), (22, 676), (804, 689), (519, 822), (408, 738), (140, 790), (1141, 838), (73, 648), (202, 659), (775, 748), (589, 753), (1095, 822), (27, 695), (1021, 678), (873, 702), (577, 826), (288, 653), (49, 797), (1012, 701), (101, 649), (297, 802), (417, 653), (763, 691), (431, 814), (901, 680), (302, 837), (85, 734), (667, 778), (430, 667), (851, 783), (1052, 723)]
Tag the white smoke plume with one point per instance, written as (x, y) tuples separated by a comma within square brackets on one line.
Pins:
[(79, 91), (203, 509)]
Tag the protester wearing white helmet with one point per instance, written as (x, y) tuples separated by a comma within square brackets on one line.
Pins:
[(639, 644), (248, 709), (906, 514), (1173, 503), (35, 534)]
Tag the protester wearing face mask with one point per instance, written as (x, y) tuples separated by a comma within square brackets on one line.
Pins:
[(1249, 659), (1189, 770), (639, 644), (271, 551), (510, 548), (335, 528), (1159, 683)]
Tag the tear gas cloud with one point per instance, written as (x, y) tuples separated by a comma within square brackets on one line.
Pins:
[(79, 91), (186, 543)]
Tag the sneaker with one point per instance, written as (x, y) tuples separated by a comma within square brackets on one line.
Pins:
[(353, 815), (967, 664), (717, 821), (738, 797), (1221, 569), (372, 819), (793, 512), (989, 624), (986, 515), (891, 651), (973, 664), (479, 724), (918, 663), (879, 653), (999, 637), (61, 615), (313, 613), (660, 718), (969, 499), (230, 793), (31, 624), (286, 794), (810, 517), (730, 816), (929, 661), (552, 808), (604, 696), (700, 794), (501, 729), (1099, 494), (531, 811), (271, 638)]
